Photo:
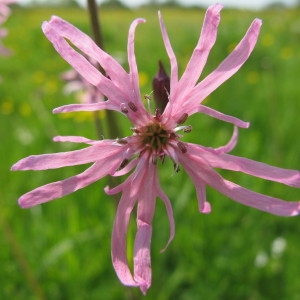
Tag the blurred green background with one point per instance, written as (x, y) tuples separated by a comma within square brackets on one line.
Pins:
[(61, 250)]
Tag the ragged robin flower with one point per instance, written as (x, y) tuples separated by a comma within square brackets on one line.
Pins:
[(154, 138)]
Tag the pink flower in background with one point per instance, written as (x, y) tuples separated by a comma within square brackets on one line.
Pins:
[(4, 14), (5, 10), (154, 138), (85, 92)]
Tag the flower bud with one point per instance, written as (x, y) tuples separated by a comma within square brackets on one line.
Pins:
[(161, 88)]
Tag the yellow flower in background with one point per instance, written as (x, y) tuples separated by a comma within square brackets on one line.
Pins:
[(267, 40), (51, 86), (39, 77), (7, 107), (253, 77), (143, 77), (25, 109), (286, 52)]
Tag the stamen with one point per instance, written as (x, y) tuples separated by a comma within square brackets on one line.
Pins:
[(148, 97), (154, 159), (132, 106), (176, 167), (124, 108), (182, 119), (187, 129), (182, 147)]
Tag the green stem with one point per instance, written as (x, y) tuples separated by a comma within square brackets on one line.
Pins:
[(96, 26)]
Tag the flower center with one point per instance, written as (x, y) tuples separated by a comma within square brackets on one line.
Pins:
[(155, 139), (154, 136)]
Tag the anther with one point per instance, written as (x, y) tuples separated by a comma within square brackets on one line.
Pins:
[(124, 163), (187, 129), (132, 106), (182, 119), (121, 141), (124, 108), (135, 130), (148, 97), (182, 147)]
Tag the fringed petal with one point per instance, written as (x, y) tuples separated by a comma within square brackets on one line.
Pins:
[(171, 54), (74, 139), (229, 66), (200, 170), (103, 150), (62, 188), (199, 57), (244, 165), (119, 239), (231, 144)]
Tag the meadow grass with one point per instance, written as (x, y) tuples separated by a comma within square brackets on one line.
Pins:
[(61, 250)]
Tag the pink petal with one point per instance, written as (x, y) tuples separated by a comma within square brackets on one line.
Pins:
[(230, 145), (171, 54), (58, 29), (248, 166), (87, 107), (119, 239), (199, 57), (258, 169), (103, 150), (229, 66), (225, 70), (134, 75), (54, 30), (119, 87), (218, 115), (140, 116), (205, 174), (125, 170), (145, 211), (75, 139), (189, 165), (59, 189), (142, 186), (169, 210), (262, 202), (142, 256), (131, 194), (204, 206)]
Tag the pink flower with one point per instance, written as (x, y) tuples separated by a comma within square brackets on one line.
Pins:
[(154, 137), (4, 14)]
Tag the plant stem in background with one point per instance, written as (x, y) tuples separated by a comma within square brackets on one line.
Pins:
[(113, 130), (20, 257)]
